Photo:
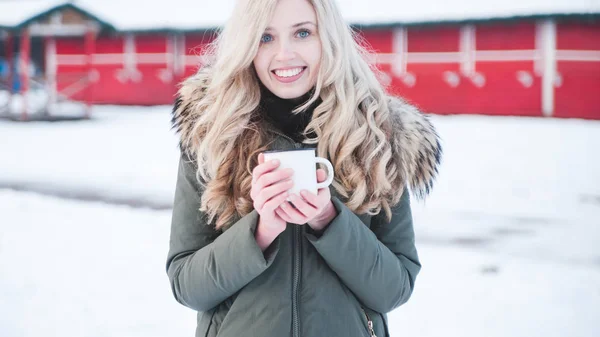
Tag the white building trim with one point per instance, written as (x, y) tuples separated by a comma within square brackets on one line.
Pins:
[(548, 38)]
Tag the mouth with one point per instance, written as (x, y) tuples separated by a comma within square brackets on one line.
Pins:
[(288, 75)]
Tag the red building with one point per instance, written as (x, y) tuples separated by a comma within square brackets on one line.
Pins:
[(531, 65)]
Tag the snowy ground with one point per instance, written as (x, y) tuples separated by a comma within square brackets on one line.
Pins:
[(508, 240), (35, 102)]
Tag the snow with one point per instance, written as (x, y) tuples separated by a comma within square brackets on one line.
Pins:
[(172, 14), (36, 103), (198, 14), (84, 269), (508, 239), (4, 98), (14, 12), (116, 135), (405, 11), (186, 14), (459, 294)]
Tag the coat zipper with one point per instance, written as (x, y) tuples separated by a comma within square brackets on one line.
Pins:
[(297, 269), (297, 255), (369, 324), (297, 252), (296, 284)]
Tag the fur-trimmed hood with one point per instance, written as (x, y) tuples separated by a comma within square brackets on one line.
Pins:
[(414, 138)]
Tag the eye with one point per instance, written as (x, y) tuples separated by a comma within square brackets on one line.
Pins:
[(266, 38), (303, 33)]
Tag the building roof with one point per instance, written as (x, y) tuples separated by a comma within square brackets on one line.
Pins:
[(188, 15), (13, 13)]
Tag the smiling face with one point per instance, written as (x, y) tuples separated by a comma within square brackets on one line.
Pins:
[(289, 54)]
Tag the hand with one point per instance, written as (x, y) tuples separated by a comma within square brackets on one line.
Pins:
[(315, 210), (269, 191)]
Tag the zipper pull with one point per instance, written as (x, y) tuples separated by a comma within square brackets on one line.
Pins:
[(370, 325), (371, 329)]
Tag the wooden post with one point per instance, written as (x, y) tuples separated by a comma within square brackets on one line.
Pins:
[(9, 63), (170, 57), (8, 48), (24, 69), (400, 50), (548, 31), (90, 49), (183, 54), (51, 69)]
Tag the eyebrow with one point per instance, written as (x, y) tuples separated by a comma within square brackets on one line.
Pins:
[(298, 24)]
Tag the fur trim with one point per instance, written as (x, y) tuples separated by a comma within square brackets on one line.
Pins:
[(418, 144), (184, 112), (414, 138)]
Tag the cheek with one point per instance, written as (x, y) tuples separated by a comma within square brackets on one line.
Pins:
[(315, 58), (261, 64)]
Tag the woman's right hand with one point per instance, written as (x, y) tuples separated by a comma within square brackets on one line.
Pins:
[(269, 190)]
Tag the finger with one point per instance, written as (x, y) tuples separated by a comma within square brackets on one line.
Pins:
[(272, 204), (324, 193), (303, 207), (271, 178), (293, 213), (272, 191), (275, 189), (261, 160), (283, 215), (263, 168), (321, 175), (310, 198)]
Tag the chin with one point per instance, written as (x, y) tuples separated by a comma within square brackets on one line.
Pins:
[(289, 93)]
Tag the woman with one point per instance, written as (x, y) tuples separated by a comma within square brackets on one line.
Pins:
[(282, 75)]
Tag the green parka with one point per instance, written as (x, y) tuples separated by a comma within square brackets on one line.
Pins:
[(359, 269)]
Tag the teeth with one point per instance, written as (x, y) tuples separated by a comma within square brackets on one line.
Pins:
[(288, 72)]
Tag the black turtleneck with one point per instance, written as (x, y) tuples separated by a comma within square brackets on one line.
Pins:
[(278, 112)]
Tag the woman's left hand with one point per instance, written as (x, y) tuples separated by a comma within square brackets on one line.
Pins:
[(315, 210)]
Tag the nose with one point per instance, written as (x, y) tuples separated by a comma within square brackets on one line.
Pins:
[(285, 52)]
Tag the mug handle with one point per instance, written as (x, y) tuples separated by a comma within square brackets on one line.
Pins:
[(330, 175)]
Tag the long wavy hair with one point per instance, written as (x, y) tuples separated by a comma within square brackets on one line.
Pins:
[(350, 125)]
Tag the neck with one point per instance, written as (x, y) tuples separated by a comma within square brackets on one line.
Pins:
[(278, 112), (267, 94)]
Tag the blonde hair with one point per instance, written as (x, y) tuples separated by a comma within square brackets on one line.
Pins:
[(351, 123)]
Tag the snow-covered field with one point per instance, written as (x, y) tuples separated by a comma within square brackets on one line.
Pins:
[(184, 14), (35, 102), (509, 239)]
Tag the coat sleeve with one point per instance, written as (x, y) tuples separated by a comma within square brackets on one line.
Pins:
[(379, 265), (205, 268)]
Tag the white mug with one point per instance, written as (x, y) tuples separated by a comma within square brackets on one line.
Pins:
[(303, 162)]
